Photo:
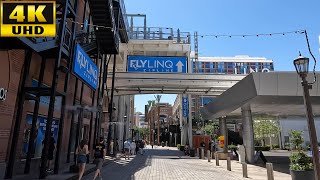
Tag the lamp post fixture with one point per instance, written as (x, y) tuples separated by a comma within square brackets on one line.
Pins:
[(302, 66)]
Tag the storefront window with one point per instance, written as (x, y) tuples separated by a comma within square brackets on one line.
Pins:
[(39, 134)]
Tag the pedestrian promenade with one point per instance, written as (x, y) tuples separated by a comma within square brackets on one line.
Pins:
[(166, 163)]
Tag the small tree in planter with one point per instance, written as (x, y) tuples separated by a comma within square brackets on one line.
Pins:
[(301, 166), (296, 140)]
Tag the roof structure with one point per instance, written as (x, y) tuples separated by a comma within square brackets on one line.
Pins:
[(273, 93)]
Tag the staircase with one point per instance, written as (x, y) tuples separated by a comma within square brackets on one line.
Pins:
[(103, 15)]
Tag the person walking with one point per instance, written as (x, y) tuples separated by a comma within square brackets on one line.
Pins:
[(133, 148), (126, 145), (111, 147), (137, 147), (99, 156), (142, 146), (52, 146), (82, 152)]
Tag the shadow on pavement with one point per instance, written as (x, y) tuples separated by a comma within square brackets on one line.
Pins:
[(280, 163), (125, 169)]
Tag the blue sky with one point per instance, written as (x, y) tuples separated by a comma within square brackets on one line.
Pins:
[(237, 17)]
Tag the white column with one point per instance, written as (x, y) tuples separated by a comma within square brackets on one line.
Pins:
[(190, 123), (248, 138)]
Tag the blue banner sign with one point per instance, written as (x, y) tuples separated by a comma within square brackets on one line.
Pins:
[(157, 64), (85, 68), (185, 107)]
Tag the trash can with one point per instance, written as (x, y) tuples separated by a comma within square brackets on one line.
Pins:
[(192, 153)]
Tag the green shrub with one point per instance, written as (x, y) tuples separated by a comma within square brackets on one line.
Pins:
[(275, 146), (232, 147), (262, 148), (181, 147), (300, 162), (178, 146)]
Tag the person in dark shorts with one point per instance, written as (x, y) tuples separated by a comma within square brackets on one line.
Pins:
[(137, 147), (99, 156), (52, 146), (82, 152)]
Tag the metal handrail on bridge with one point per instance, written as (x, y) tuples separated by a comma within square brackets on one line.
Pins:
[(158, 33)]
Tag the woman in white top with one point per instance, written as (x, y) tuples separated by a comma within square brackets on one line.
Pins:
[(133, 148), (82, 152)]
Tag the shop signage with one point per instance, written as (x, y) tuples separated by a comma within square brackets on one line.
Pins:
[(185, 107), (84, 68), (3, 94), (157, 64)]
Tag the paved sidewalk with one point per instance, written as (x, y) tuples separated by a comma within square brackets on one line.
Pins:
[(254, 172), (163, 163)]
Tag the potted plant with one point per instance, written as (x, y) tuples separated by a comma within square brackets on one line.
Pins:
[(301, 166)]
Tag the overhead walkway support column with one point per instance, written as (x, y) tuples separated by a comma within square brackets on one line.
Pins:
[(190, 136), (247, 132), (224, 132)]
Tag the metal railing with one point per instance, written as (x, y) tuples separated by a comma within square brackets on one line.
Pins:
[(124, 13), (157, 33), (85, 38)]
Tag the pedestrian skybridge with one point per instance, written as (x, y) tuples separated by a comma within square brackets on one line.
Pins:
[(127, 83)]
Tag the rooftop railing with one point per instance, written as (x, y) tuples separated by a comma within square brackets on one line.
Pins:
[(157, 33)]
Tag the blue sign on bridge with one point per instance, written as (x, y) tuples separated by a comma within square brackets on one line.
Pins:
[(157, 64), (85, 68), (185, 106)]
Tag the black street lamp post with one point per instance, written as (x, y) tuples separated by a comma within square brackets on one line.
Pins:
[(302, 66)]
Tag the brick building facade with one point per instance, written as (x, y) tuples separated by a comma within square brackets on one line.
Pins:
[(92, 123)]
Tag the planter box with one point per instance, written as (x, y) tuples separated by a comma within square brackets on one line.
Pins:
[(302, 175)]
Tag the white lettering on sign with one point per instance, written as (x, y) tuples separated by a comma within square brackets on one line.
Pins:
[(3, 94), (156, 64), (83, 62), (251, 70)]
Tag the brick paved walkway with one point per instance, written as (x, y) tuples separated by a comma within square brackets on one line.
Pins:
[(163, 163)]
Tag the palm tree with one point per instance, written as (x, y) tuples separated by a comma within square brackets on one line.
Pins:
[(150, 104), (158, 98)]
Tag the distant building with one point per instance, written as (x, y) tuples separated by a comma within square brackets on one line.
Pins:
[(165, 119), (141, 121), (242, 64)]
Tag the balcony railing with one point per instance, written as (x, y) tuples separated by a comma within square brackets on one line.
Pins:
[(124, 13), (155, 33)]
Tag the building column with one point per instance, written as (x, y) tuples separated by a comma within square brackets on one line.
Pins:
[(247, 129), (224, 132), (190, 122)]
